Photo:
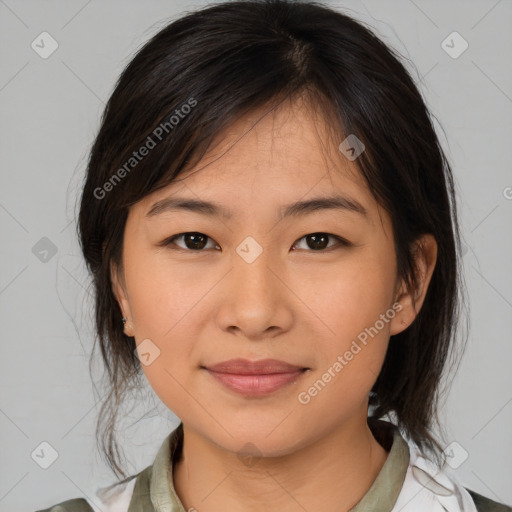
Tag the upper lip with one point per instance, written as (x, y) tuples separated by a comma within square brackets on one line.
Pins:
[(246, 367)]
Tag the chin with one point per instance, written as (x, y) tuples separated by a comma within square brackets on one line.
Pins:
[(260, 440)]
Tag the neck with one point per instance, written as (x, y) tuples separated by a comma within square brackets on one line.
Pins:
[(331, 474)]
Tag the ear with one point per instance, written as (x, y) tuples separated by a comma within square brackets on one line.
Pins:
[(425, 257), (121, 295)]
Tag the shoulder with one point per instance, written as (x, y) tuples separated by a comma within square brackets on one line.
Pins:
[(74, 505), (484, 504), (428, 486)]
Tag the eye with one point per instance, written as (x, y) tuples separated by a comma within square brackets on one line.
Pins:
[(195, 241), (319, 241)]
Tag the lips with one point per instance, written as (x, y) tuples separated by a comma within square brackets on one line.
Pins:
[(255, 378), (246, 367)]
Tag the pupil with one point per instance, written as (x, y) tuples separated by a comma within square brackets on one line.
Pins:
[(197, 240), (316, 238)]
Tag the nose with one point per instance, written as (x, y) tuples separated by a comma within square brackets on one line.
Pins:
[(256, 302)]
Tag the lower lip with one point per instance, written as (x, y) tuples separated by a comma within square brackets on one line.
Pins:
[(256, 385)]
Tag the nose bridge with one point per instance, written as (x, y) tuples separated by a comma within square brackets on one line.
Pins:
[(252, 262)]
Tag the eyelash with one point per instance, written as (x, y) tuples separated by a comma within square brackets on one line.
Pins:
[(170, 241)]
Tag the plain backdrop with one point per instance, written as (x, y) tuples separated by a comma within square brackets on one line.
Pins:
[(50, 114)]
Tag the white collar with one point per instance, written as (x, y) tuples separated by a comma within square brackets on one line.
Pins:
[(427, 488)]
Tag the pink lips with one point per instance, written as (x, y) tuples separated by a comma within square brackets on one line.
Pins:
[(255, 378)]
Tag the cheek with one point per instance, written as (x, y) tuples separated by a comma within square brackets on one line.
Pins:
[(163, 295), (353, 313), (166, 307), (350, 298), (351, 352)]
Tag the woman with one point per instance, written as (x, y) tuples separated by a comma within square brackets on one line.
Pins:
[(270, 224)]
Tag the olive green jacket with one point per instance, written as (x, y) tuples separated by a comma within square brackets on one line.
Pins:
[(404, 478)]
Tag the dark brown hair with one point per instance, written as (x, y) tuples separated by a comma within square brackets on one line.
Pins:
[(224, 60)]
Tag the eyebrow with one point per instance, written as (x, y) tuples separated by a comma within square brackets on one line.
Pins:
[(299, 208)]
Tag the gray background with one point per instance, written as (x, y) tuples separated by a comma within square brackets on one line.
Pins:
[(50, 114)]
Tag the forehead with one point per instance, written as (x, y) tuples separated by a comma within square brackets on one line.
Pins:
[(290, 146), (290, 139), (272, 157)]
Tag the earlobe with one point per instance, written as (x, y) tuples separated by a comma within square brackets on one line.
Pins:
[(404, 311)]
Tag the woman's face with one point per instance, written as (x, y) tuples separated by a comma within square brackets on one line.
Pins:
[(258, 284)]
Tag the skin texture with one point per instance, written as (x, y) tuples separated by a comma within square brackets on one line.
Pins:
[(303, 305)]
